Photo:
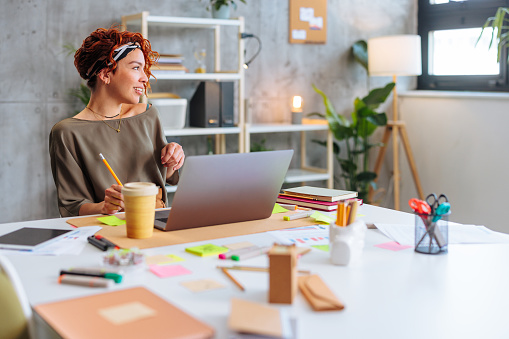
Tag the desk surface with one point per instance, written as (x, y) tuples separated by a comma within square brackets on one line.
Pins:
[(387, 294)]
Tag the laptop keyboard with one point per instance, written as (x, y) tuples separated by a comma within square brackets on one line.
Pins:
[(162, 220)]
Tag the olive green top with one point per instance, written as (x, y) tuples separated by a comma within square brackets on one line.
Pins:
[(134, 154)]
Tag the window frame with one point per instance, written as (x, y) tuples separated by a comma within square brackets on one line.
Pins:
[(458, 15)]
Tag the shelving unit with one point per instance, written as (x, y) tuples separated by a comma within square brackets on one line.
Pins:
[(244, 131), (305, 173)]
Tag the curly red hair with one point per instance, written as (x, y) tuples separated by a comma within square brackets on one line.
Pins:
[(101, 43)]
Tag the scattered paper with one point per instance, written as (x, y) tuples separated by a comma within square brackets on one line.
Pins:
[(458, 234), (324, 248), (112, 220), (166, 271), (206, 250), (126, 313), (163, 259), (393, 246), (322, 218), (238, 245), (202, 285), (278, 209), (303, 236)]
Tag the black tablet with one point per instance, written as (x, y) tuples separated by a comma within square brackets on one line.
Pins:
[(28, 238)]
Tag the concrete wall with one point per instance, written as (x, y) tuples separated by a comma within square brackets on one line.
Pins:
[(36, 74), (460, 143)]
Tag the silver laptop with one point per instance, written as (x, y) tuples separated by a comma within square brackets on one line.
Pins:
[(225, 188)]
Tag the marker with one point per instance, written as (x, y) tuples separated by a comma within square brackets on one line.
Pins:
[(109, 168), (289, 207), (85, 281), (299, 215), (251, 254), (106, 241), (229, 254), (95, 270), (113, 276)]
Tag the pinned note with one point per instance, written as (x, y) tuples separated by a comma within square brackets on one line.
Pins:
[(206, 250), (111, 220), (278, 209), (166, 271)]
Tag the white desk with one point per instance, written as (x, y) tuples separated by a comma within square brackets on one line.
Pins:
[(463, 294)]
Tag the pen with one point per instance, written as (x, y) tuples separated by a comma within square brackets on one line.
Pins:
[(299, 215), (225, 271), (113, 276), (106, 241), (251, 254), (109, 168), (229, 254), (97, 243), (85, 281)]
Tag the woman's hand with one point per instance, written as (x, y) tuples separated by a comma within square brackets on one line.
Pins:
[(172, 156), (113, 200)]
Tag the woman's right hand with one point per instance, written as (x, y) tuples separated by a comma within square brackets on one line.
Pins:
[(113, 200)]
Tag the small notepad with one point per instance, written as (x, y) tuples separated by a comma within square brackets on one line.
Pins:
[(206, 250)]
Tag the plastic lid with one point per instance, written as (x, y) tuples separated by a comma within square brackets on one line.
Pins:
[(139, 189)]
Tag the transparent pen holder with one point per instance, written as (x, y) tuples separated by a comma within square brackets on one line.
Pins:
[(431, 233)]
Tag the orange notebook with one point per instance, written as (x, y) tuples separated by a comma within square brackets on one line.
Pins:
[(129, 313)]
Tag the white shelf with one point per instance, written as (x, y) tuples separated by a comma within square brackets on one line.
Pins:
[(299, 175), (188, 131), (162, 75), (183, 21), (272, 128)]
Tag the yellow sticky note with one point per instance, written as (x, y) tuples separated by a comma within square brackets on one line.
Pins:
[(206, 250), (163, 259), (278, 209), (324, 248), (111, 220), (322, 218)]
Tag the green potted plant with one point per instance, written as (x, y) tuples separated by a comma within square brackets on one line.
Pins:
[(499, 25), (221, 8)]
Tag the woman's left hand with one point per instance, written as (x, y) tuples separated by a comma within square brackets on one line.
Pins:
[(172, 156)]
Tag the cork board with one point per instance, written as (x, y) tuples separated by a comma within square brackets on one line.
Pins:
[(308, 22)]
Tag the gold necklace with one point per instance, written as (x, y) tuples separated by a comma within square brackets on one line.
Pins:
[(99, 118)]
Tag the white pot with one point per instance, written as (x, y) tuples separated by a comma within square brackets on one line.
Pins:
[(346, 243), (222, 13)]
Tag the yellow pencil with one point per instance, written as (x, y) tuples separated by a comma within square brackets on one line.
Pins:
[(109, 168)]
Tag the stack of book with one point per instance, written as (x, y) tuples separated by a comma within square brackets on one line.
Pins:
[(323, 199), (170, 63)]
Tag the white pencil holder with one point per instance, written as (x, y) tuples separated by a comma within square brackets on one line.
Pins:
[(346, 243)]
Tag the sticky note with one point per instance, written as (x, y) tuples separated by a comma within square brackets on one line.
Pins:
[(322, 218), (393, 246), (202, 285), (126, 313), (324, 248), (162, 259), (206, 250), (278, 209), (111, 220), (166, 271)]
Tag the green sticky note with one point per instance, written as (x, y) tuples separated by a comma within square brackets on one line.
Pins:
[(278, 209), (324, 248), (322, 218), (207, 250), (111, 220)]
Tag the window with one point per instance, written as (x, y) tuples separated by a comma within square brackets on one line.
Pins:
[(451, 59)]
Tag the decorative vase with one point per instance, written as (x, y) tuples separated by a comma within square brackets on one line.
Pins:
[(346, 243), (222, 13)]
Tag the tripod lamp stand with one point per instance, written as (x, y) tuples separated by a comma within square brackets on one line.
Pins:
[(397, 55)]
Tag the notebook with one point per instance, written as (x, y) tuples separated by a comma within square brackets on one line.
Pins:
[(129, 313), (318, 193), (225, 188)]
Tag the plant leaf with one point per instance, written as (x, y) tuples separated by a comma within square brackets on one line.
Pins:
[(378, 96), (366, 176), (360, 53)]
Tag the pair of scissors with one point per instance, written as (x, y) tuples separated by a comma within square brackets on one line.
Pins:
[(439, 205), (419, 206)]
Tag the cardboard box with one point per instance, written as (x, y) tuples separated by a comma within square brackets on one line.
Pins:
[(282, 274)]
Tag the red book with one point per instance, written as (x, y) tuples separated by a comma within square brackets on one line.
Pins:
[(314, 204)]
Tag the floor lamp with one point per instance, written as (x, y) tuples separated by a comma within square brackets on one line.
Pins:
[(396, 55)]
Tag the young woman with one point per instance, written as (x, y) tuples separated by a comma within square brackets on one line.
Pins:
[(116, 66)]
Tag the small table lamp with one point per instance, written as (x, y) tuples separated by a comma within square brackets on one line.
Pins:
[(392, 56), (297, 109)]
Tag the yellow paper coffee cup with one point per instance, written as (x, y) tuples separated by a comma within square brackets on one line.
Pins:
[(140, 204)]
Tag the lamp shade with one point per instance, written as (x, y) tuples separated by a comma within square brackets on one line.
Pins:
[(395, 55)]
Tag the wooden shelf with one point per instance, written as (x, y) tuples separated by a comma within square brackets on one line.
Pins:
[(189, 131), (184, 22), (273, 128)]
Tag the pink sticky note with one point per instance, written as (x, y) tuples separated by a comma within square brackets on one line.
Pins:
[(393, 246), (165, 271)]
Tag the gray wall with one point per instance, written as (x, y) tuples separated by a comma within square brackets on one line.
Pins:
[(37, 73)]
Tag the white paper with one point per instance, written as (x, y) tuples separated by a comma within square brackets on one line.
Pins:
[(71, 244), (316, 23), (298, 34), (458, 234), (306, 13), (303, 236)]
